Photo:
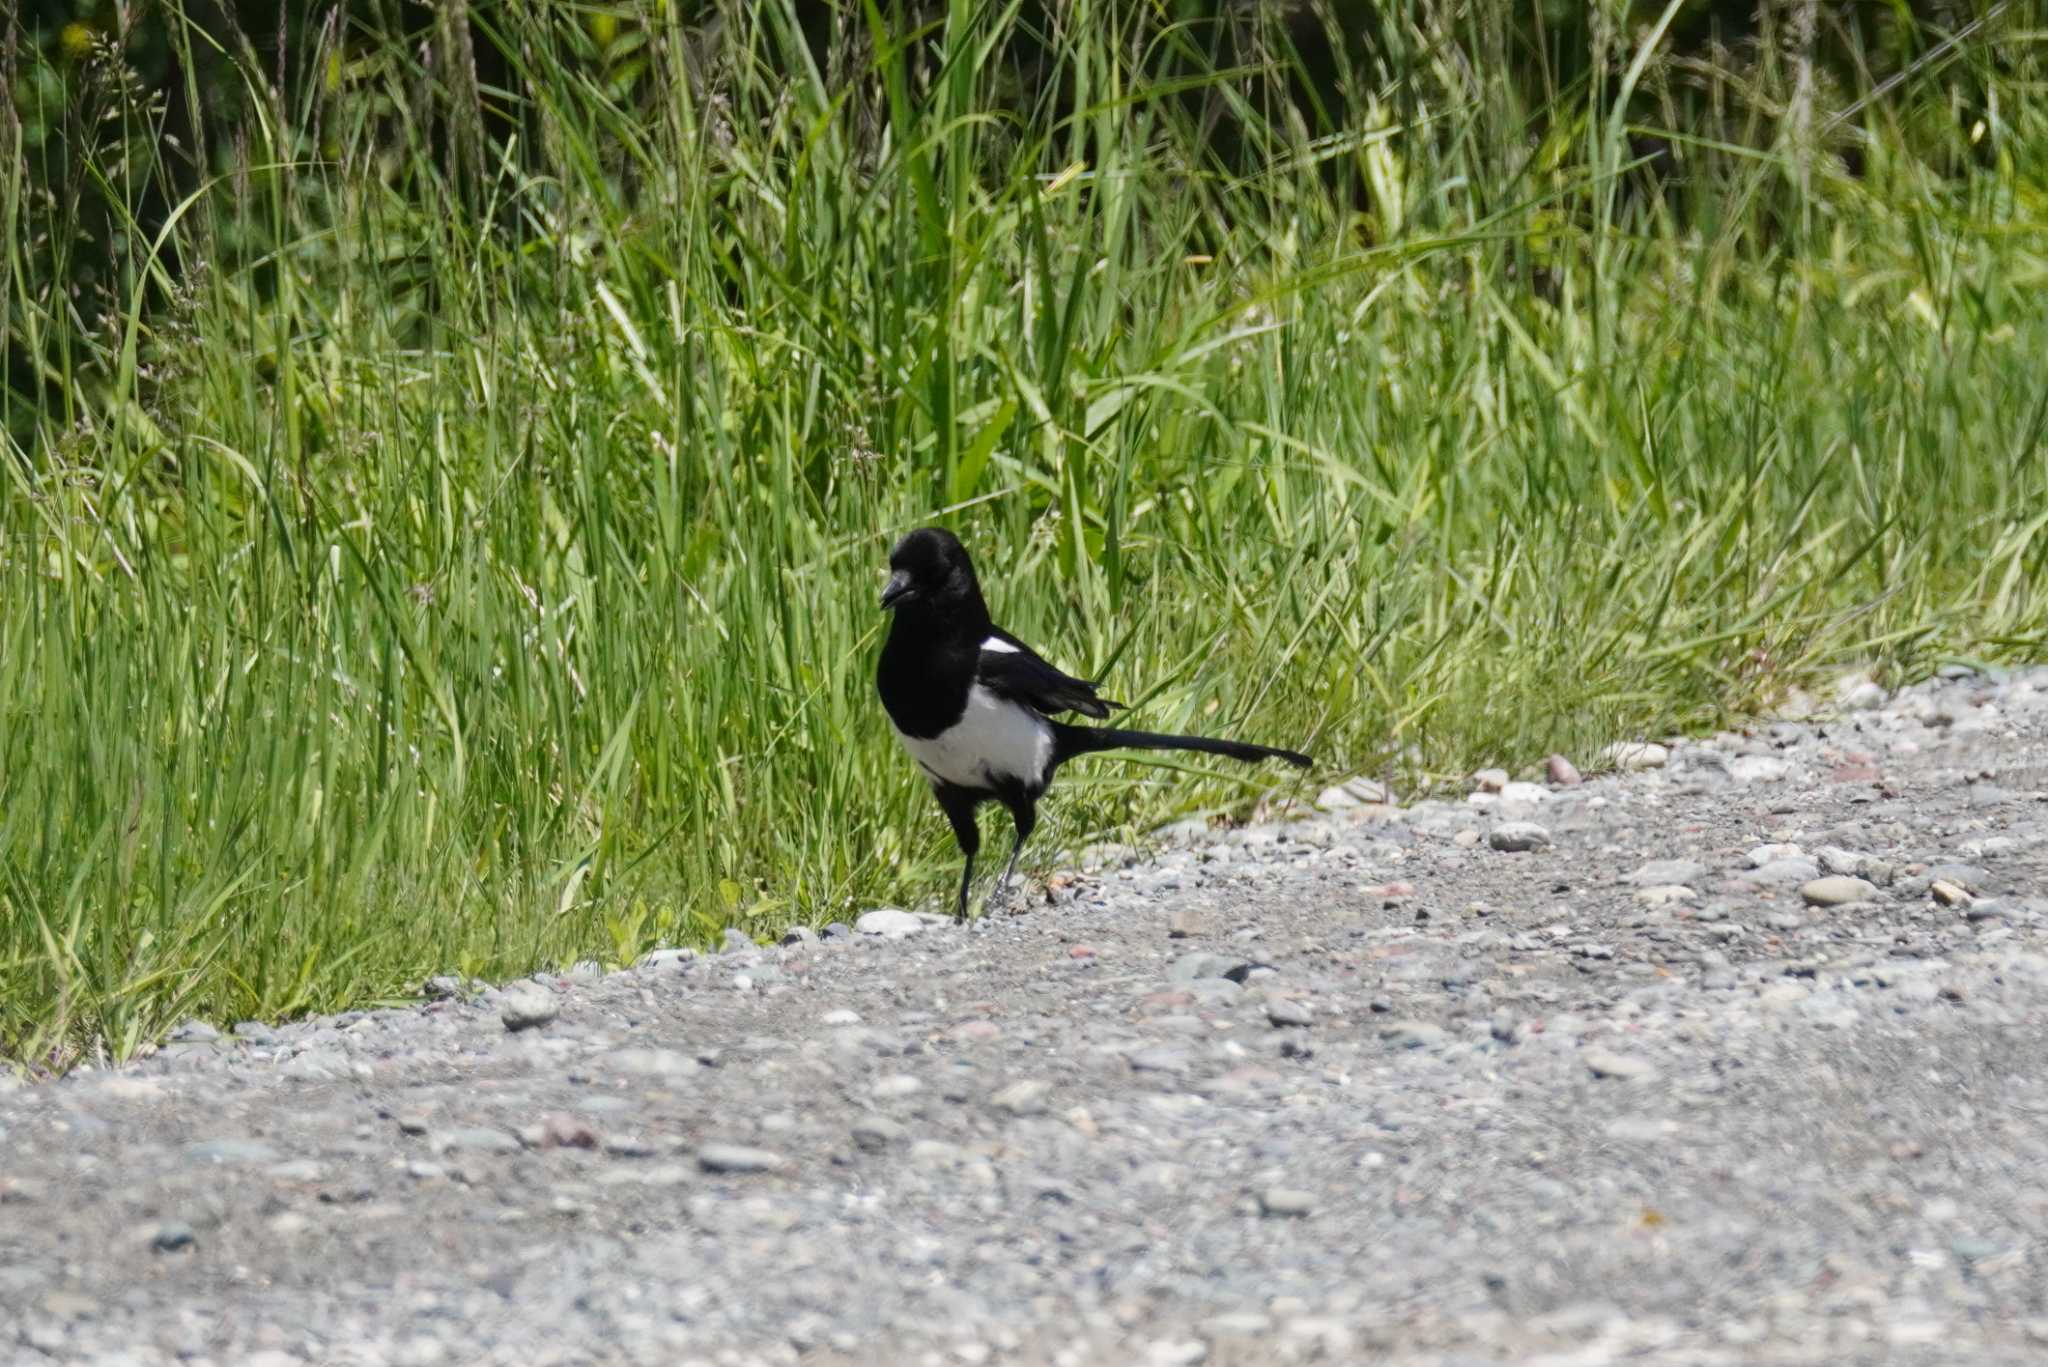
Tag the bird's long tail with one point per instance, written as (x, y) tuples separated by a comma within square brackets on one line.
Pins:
[(1069, 741)]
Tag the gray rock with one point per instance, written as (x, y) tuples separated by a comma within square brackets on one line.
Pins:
[(193, 1032), (1971, 877), (1160, 1059), (1664, 872), (739, 1159), (526, 1006), (798, 935), (1783, 873), (736, 941), (889, 923), (230, 1152), (1516, 836), (1409, 1034), (1835, 890), (666, 960), (1202, 963)]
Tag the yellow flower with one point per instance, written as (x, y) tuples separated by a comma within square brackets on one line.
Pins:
[(74, 40)]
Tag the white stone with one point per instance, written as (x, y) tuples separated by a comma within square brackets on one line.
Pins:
[(889, 922), (1635, 754)]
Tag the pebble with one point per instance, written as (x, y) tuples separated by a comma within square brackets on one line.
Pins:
[(1516, 836), (1285, 1011), (1667, 872), (1562, 772), (1780, 873), (889, 923), (1201, 963), (477, 1139), (1849, 863), (738, 1159), (1286, 1202), (1409, 1034), (1603, 1063), (874, 1133), (1635, 755), (1835, 890), (1758, 769), (641, 1062), (231, 1152), (1026, 1097), (527, 1005), (1860, 693), (171, 1235)]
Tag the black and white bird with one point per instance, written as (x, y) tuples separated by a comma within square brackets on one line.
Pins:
[(974, 705)]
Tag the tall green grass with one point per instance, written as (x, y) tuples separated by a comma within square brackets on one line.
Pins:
[(478, 574)]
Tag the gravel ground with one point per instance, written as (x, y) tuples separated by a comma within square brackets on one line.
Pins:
[(1734, 1057)]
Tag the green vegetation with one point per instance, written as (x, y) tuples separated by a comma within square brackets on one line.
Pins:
[(430, 545)]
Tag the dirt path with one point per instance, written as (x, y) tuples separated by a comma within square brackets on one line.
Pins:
[(1364, 1087)]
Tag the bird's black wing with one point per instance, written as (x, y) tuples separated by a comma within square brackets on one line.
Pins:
[(1013, 670)]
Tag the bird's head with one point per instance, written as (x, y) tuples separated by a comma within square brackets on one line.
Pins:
[(930, 569)]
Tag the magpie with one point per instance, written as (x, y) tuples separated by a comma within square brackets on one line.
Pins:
[(974, 705)]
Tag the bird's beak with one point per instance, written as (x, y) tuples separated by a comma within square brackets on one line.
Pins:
[(897, 589)]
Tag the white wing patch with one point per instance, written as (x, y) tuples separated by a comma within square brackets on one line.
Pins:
[(994, 741), (996, 645)]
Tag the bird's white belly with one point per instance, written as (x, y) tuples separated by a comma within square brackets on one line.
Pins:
[(995, 740)]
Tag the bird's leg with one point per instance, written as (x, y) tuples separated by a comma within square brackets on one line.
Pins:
[(966, 878), (1025, 814), (958, 804)]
